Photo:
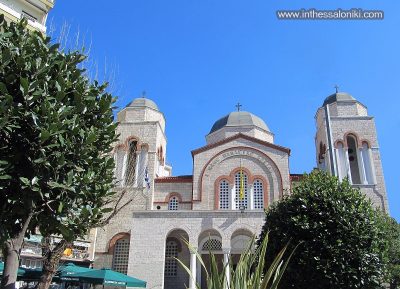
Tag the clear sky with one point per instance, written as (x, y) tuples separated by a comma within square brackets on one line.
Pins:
[(197, 58)]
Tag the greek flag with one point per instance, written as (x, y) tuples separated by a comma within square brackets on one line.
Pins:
[(147, 178)]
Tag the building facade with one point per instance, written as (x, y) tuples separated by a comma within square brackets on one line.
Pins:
[(237, 174), (35, 11)]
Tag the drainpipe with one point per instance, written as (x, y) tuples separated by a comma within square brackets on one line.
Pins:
[(330, 141)]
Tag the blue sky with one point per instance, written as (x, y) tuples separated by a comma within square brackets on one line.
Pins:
[(197, 59)]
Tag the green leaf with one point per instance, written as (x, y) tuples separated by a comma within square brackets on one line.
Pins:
[(60, 207), (24, 85), (3, 88), (44, 135)]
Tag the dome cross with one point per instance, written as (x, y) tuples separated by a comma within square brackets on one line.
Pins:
[(238, 106)]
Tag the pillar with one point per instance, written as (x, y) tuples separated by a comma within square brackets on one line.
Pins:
[(361, 165), (193, 274), (227, 278), (348, 167)]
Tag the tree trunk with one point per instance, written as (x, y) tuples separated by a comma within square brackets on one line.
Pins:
[(51, 260), (12, 249)]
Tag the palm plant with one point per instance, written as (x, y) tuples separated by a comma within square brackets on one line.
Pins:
[(249, 272)]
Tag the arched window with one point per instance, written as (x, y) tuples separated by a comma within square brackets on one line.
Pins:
[(368, 164), (241, 198), (173, 204), (353, 160), (119, 158), (130, 173), (171, 252), (343, 164), (121, 255), (142, 166), (258, 189), (224, 195)]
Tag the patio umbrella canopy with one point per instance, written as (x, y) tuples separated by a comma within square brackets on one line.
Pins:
[(108, 277), (21, 271), (65, 271)]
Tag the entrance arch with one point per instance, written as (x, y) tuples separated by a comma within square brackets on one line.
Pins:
[(175, 276)]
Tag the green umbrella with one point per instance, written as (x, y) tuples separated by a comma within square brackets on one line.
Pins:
[(62, 273), (21, 271), (108, 277), (65, 271)]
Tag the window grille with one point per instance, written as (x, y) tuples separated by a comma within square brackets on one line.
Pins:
[(171, 252), (258, 194), (121, 256), (212, 245), (238, 201), (224, 195), (173, 204)]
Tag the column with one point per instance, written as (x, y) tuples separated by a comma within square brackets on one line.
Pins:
[(233, 198), (339, 163), (372, 164), (135, 181), (193, 274), (227, 279), (124, 164), (251, 205), (348, 166), (361, 166), (198, 271)]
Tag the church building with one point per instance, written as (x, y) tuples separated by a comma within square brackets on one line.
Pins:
[(237, 174)]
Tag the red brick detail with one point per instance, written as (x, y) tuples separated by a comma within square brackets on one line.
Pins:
[(177, 179), (296, 177), (200, 184), (240, 135), (114, 240)]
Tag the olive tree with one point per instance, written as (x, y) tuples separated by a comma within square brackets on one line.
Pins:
[(56, 134)]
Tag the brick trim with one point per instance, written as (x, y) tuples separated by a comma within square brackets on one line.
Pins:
[(200, 184), (177, 179), (113, 240), (236, 136)]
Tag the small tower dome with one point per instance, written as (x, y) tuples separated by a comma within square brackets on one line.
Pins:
[(143, 102), (338, 96)]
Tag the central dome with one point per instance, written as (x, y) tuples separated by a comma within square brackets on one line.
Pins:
[(239, 119)]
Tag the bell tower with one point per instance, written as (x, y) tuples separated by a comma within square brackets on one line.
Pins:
[(347, 145)]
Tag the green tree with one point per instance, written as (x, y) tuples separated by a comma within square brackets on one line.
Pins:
[(392, 272), (343, 243), (56, 132)]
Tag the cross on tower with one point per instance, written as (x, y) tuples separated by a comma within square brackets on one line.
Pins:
[(143, 93), (238, 106), (337, 88)]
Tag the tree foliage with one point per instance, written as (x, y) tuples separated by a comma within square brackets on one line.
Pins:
[(56, 132), (392, 272), (343, 243)]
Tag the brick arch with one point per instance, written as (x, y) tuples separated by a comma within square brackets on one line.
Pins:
[(363, 141), (144, 146), (356, 137), (120, 146), (173, 194), (337, 143), (272, 163), (130, 139), (113, 241)]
